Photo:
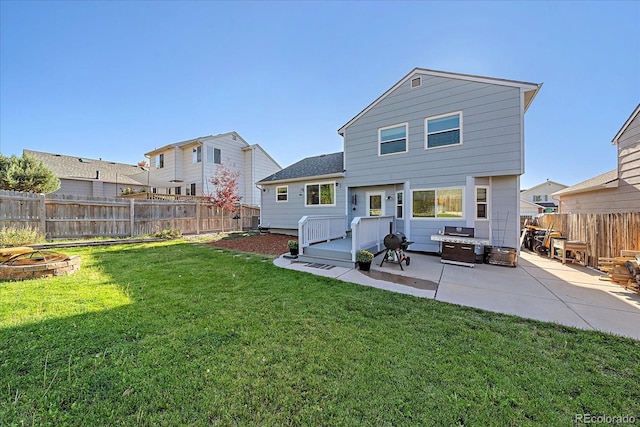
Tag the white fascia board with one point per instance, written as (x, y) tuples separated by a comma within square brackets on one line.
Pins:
[(626, 124), (302, 179)]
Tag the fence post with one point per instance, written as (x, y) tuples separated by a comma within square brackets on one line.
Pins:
[(131, 216), (42, 213), (197, 217)]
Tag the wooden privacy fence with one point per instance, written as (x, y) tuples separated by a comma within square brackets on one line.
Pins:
[(605, 234), (65, 216)]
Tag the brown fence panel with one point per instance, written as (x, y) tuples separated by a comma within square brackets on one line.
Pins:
[(69, 216), (605, 234), (22, 210)]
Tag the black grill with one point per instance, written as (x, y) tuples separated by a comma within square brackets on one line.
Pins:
[(396, 243)]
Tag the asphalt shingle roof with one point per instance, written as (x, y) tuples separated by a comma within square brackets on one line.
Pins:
[(71, 167), (591, 184), (324, 164)]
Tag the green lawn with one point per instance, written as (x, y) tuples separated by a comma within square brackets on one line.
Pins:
[(176, 333)]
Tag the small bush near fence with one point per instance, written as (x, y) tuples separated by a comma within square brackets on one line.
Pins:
[(12, 236), (171, 233)]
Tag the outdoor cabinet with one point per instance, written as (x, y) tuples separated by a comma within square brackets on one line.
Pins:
[(461, 252)]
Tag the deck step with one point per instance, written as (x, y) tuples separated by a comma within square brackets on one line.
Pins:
[(318, 251)]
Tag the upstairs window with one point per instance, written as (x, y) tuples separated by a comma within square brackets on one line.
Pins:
[(197, 154), (540, 198), (178, 190), (321, 194), (282, 194), (392, 139), (443, 130), (160, 161), (217, 156)]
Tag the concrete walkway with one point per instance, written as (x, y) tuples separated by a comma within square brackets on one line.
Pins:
[(538, 288)]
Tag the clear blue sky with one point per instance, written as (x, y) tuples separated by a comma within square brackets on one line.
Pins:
[(114, 80)]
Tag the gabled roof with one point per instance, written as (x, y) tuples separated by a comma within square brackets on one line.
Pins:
[(530, 203), (74, 167), (531, 89), (626, 125), (258, 147), (606, 180), (195, 141), (323, 166), (547, 182)]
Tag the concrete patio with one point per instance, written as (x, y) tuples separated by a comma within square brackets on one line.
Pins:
[(538, 288)]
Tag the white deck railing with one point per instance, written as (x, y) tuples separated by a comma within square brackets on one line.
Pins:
[(367, 232), (320, 228)]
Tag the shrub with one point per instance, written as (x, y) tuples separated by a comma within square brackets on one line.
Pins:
[(12, 236), (364, 256), (293, 244), (169, 233)]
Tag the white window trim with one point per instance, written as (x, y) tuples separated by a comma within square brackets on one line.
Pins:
[(403, 204), (488, 202), (368, 201), (436, 218), (426, 130), (194, 155), (286, 194), (320, 184), (406, 139)]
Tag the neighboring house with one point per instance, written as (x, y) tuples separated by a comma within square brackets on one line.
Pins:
[(537, 199), (436, 149), (90, 177), (187, 167), (617, 190)]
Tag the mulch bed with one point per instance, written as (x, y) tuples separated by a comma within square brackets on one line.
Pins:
[(267, 244)]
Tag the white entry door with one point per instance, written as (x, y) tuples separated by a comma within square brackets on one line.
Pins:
[(375, 203)]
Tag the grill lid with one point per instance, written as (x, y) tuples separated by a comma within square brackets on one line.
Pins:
[(395, 241), (459, 231)]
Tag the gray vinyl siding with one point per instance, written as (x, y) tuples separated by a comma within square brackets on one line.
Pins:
[(629, 168), (285, 215), (491, 133), (597, 201), (263, 166), (491, 149), (94, 188), (505, 211), (624, 198), (75, 187)]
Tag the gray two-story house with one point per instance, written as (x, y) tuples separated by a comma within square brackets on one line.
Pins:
[(437, 149)]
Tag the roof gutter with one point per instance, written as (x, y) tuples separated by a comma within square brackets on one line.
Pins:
[(302, 178)]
